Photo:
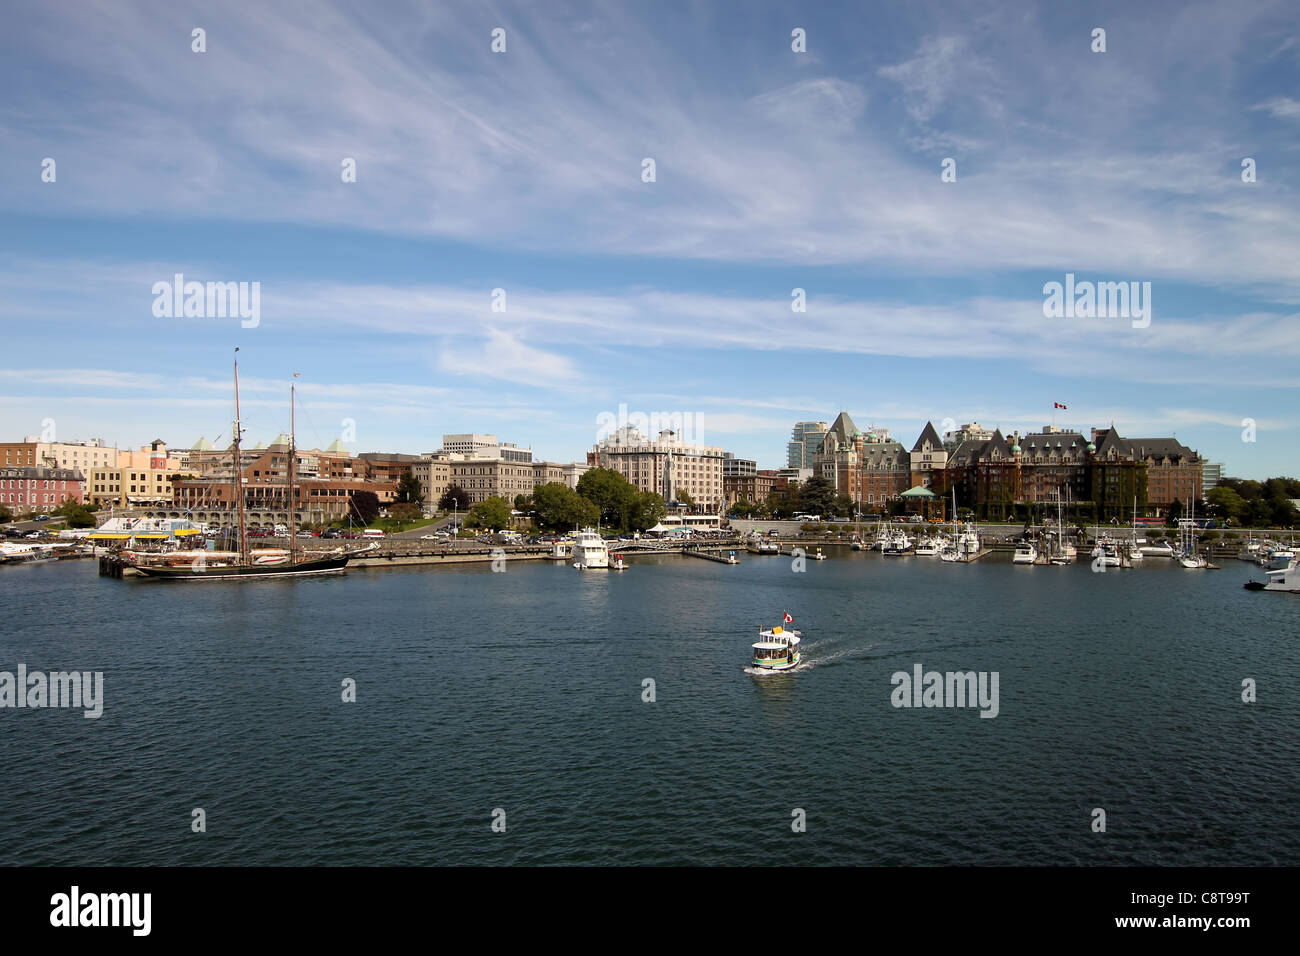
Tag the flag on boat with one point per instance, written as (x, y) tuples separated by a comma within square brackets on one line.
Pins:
[(788, 619), (1057, 405)]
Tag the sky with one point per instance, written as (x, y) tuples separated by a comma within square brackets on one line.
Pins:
[(774, 170)]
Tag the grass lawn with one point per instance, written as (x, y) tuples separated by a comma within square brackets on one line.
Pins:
[(392, 525)]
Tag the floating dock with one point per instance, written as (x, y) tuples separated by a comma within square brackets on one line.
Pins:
[(728, 558)]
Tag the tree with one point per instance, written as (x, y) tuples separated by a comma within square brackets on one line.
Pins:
[(1225, 503), (522, 503), (684, 498), (490, 513), (1175, 512), (363, 507), (613, 494), (5, 515), (647, 510), (783, 502), (75, 515), (455, 497), (743, 508), (557, 507), (1284, 514), (844, 505), (409, 490), (816, 495), (404, 511)]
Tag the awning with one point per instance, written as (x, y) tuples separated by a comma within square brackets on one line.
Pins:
[(918, 492), (151, 536), (109, 536), (182, 532)]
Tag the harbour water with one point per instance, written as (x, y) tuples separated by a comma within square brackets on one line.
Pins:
[(524, 691)]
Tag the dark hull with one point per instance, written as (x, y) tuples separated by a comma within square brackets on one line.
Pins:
[(297, 569)]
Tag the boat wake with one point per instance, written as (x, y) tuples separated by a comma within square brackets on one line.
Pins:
[(816, 657), (813, 658)]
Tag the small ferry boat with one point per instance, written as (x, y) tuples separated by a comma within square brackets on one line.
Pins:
[(589, 550), (777, 649)]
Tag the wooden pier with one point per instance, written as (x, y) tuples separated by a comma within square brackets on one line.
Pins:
[(729, 558)]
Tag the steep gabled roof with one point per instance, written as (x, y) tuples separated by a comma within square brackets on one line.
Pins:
[(995, 445), (843, 428), (1111, 441), (928, 434)]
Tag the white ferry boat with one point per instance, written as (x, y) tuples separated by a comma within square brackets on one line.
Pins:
[(777, 649), (589, 550)]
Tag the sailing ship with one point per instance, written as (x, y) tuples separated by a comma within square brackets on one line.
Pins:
[(200, 565)]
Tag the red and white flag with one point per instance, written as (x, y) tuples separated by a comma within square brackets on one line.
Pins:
[(788, 618), (1057, 405)]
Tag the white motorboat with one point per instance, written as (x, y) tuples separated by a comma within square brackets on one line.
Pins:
[(589, 550), (1279, 559), (1026, 553), (1285, 579), (899, 543), (777, 649), (927, 546), (1162, 550), (968, 541), (1106, 553)]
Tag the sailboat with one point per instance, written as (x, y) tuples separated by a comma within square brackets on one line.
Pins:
[(948, 551), (1133, 552), (1061, 551), (1187, 555), (243, 564)]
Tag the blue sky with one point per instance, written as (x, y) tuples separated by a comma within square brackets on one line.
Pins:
[(774, 170)]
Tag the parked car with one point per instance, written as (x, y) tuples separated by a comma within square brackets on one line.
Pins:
[(331, 533), (47, 517), (428, 537)]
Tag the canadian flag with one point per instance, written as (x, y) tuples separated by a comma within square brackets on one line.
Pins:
[(788, 619), (1057, 405)]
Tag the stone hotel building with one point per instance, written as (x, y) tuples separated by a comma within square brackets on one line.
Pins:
[(665, 465)]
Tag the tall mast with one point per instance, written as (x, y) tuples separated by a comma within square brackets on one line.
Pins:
[(239, 470), (293, 455)]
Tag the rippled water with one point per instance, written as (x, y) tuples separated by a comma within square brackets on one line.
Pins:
[(522, 691)]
